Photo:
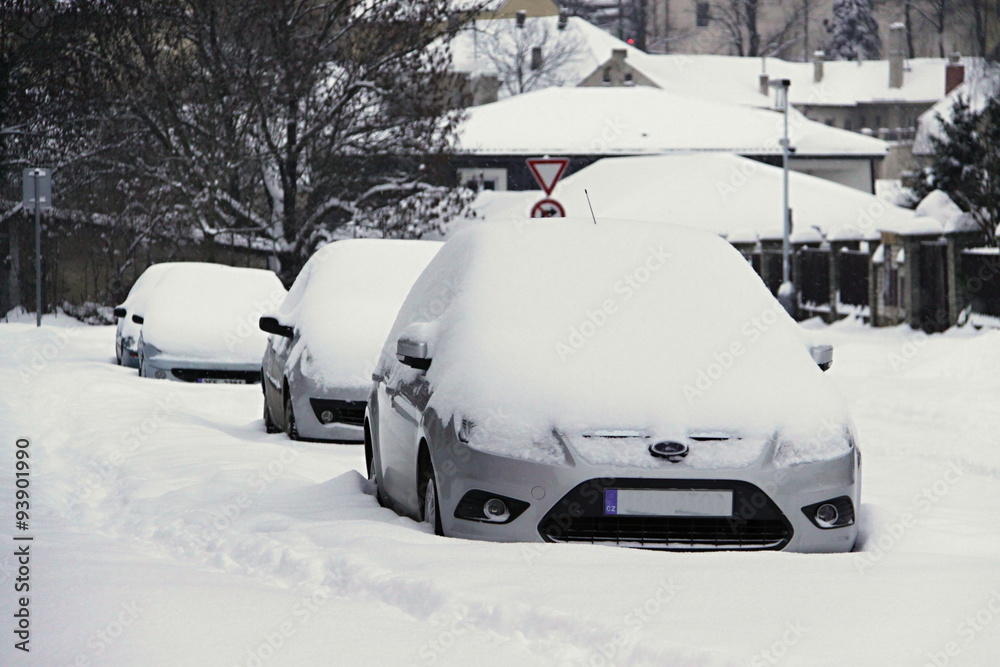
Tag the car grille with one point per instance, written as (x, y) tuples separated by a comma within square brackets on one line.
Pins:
[(351, 413), (756, 523), (676, 533), (195, 374)]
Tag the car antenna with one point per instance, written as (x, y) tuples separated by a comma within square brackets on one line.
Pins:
[(590, 205)]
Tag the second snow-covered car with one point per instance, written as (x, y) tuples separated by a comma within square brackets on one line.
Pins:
[(630, 384), (199, 323), (127, 332), (328, 333)]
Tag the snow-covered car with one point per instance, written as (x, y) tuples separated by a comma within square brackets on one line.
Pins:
[(326, 337), (199, 323), (623, 383), (127, 333)]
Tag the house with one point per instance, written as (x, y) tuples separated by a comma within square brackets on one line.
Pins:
[(587, 124), (882, 97), (982, 83), (500, 57), (795, 30), (734, 197)]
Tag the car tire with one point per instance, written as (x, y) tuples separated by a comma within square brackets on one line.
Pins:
[(269, 424), (431, 510), (290, 427), (372, 470)]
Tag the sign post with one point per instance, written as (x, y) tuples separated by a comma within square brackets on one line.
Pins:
[(37, 194), (547, 171)]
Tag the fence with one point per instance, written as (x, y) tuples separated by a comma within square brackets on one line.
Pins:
[(929, 281)]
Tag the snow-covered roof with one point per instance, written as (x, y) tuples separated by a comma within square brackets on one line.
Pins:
[(978, 87), (844, 83), (471, 48), (720, 193), (644, 120)]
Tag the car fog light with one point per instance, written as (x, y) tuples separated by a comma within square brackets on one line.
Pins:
[(160, 375), (326, 416), (496, 510), (826, 515)]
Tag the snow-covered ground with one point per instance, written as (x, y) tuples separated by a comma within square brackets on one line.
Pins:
[(169, 529)]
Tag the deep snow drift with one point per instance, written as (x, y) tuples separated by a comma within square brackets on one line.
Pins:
[(169, 529)]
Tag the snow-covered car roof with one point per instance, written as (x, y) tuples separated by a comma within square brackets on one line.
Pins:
[(344, 302), (619, 325), (210, 312)]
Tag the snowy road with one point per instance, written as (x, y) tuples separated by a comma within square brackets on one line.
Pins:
[(169, 529)]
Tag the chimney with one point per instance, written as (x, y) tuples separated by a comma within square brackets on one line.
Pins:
[(520, 17), (954, 73), (818, 58), (897, 50), (563, 18), (764, 81), (618, 57)]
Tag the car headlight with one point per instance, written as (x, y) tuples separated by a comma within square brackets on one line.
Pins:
[(501, 437), (829, 443)]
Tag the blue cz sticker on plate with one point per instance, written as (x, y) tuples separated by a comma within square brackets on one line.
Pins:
[(611, 501)]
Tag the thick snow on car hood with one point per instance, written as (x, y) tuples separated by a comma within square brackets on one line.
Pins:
[(138, 296), (344, 302), (573, 326), (210, 312)]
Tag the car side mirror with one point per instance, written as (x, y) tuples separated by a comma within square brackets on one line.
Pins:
[(413, 353), (822, 355), (120, 312), (138, 319), (271, 325)]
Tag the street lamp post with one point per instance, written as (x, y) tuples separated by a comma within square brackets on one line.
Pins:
[(786, 293)]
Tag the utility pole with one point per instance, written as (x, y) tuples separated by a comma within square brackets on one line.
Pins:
[(786, 293), (37, 194)]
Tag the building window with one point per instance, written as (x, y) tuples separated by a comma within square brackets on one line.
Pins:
[(702, 16), (848, 125), (831, 122)]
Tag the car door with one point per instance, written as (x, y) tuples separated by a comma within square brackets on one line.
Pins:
[(400, 413)]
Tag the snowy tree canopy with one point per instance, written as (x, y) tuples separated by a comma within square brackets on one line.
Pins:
[(853, 31)]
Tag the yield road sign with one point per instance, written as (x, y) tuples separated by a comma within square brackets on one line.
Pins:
[(548, 208), (547, 171)]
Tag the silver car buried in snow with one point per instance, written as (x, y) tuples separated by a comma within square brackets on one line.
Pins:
[(629, 384), (329, 330)]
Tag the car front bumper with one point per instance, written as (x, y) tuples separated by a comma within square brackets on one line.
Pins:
[(202, 371), (568, 502)]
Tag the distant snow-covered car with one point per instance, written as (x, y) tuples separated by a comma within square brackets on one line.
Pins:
[(329, 331), (127, 334), (624, 383), (199, 323)]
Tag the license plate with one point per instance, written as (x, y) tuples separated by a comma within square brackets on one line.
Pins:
[(220, 381), (667, 502)]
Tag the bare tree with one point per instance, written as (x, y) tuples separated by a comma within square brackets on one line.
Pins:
[(531, 56), (285, 118)]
